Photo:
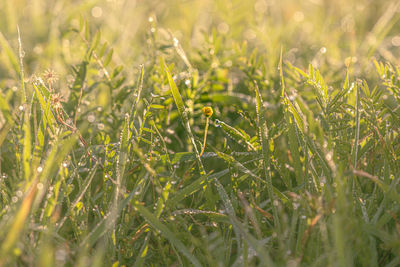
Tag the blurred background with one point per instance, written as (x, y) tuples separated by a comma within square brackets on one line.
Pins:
[(322, 32)]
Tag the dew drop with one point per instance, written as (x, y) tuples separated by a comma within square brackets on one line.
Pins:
[(176, 42), (100, 126), (39, 169), (91, 118), (82, 163)]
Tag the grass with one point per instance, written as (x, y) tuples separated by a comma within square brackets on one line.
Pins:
[(102, 132)]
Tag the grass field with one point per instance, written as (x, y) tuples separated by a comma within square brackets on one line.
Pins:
[(103, 126)]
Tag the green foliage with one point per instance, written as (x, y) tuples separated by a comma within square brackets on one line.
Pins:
[(100, 163)]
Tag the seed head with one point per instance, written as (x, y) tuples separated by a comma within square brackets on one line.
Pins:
[(208, 111), (50, 76), (56, 100)]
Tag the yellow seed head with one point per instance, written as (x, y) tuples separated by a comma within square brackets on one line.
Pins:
[(208, 111)]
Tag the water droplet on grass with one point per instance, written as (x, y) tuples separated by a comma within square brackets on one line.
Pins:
[(176, 42), (82, 163), (91, 118), (100, 126)]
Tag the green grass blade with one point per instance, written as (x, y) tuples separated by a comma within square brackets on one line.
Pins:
[(143, 251), (21, 68), (48, 116), (182, 112), (122, 158), (18, 224), (27, 150), (194, 187), (138, 93), (167, 233), (263, 136), (13, 59)]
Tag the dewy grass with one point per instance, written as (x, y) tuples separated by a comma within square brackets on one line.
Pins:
[(208, 113), (268, 135)]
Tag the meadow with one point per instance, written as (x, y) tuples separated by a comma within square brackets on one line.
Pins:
[(199, 133)]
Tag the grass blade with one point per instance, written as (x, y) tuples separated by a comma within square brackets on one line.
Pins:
[(182, 112), (154, 222), (263, 136)]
